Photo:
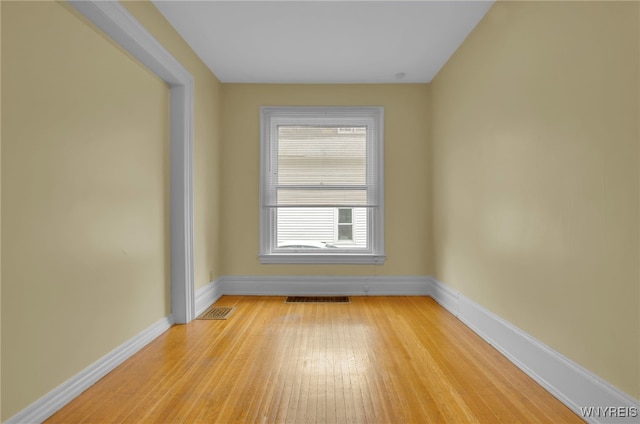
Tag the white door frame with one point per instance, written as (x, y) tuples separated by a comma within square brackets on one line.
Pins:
[(117, 23)]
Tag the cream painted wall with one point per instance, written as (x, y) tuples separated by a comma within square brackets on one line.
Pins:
[(535, 137), (207, 142), (407, 210), (0, 221), (85, 229)]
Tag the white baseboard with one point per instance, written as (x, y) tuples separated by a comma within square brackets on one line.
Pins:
[(325, 285), (573, 385), (570, 383), (47, 405), (205, 296), (208, 295)]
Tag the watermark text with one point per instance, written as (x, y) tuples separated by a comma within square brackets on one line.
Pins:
[(609, 411)]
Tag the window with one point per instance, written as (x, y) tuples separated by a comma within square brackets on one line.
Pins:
[(345, 224), (321, 198)]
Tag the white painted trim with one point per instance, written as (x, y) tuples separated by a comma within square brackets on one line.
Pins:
[(573, 385), (325, 285), (208, 295), (182, 267), (47, 405), (570, 383), (116, 22), (444, 295), (205, 297), (280, 258)]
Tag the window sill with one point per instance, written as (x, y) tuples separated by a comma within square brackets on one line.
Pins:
[(322, 259)]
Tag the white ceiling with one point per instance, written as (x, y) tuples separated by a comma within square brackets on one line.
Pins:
[(324, 41)]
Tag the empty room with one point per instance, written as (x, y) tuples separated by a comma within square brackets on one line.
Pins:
[(319, 211)]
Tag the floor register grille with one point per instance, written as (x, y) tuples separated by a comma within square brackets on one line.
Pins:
[(217, 312), (318, 299)]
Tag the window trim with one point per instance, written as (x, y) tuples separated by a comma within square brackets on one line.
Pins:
[(271, 116)]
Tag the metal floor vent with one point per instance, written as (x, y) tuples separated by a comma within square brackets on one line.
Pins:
[(217, 312), (318, 299)]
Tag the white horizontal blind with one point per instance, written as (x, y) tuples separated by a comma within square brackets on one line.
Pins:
[(328, 162), (321, 165)]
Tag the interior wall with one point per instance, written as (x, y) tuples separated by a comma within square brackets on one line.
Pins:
[(406, 149), (85, 198), (535, 138), (0, 219), (207, 142)]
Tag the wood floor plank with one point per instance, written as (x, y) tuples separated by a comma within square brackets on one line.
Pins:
[(375, 360)]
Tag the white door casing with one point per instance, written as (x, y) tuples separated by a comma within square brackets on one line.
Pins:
[(119, 25)]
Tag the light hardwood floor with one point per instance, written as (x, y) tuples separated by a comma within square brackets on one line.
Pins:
[(375, 360)]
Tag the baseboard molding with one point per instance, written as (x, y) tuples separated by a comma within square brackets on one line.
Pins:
[(573, 385), (325, 285), (570, 383), (47, 405), (208, 295), (205, 296)]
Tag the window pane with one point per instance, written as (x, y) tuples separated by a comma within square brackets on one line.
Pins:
[(319, 155), (315, 228), (345, 232), (311, 225), (344, 216)]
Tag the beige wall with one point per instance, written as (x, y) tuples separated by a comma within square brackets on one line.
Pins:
[(535, 164), (0, 221), (85, 217), (207, 142), (406, 152)]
